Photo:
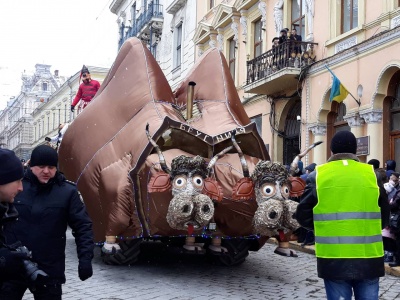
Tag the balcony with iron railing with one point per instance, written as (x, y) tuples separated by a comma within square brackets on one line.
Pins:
[(278, 69), (148, 22)]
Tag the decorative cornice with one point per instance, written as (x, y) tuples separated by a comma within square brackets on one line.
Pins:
[(317, 129), (372, 116), (175, 6)]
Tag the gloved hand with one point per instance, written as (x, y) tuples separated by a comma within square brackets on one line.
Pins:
[(10, 260), (72, 108), (85, 269), (47, 139)]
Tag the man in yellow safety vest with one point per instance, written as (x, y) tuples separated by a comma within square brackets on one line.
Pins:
[(346, 208)]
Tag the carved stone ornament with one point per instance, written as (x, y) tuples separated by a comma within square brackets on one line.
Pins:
[(235, 29), (354, 120), (318, 129), (372, 116), (220, 39), (243, 23), (262, 6)]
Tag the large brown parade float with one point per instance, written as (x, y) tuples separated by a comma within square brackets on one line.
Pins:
[(187, 168)]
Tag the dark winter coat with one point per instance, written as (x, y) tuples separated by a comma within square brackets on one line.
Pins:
[(341, 269), (7, 213), (45, 210)]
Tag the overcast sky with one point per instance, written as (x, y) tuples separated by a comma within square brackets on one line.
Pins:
[(62, 33)]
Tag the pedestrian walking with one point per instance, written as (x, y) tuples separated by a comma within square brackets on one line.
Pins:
[(347, 209), (47, 205)]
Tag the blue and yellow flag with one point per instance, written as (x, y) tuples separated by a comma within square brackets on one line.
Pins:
[(338, 91)]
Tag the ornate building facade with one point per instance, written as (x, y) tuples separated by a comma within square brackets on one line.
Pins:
[(286, 89), (16, 122), (166, 26)]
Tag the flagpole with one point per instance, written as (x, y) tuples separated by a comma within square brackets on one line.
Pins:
[(358, 101)]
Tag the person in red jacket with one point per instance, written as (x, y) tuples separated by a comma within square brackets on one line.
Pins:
[(87, 90)]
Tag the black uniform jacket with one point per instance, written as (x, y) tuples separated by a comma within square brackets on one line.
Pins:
[(341, 269), (8, 213), (45, 211)]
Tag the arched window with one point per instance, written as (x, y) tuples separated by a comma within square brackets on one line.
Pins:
[(391, 120), (291, 141)]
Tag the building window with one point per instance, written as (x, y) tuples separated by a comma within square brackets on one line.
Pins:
[(391, 113), (178, 46), (258, 121), (48, 124), (349, 15), (395, 111), (211, 4), (257, 38), (44, 86), (298, 16), (232, 48)]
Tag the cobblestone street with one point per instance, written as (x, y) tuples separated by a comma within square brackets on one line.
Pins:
[(162, 275)]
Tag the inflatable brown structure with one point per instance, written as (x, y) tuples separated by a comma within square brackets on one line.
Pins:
[(118, 167)]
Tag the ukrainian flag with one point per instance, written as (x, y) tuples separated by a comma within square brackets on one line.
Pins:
[(338, 91)]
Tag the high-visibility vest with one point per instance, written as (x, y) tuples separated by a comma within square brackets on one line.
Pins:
[(347, 218)]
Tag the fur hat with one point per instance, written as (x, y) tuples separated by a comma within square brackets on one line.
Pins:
[(44, 155), (344, 142), (10, 167)]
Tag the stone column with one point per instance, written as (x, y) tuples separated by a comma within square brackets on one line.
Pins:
[(319, 132), (373, 118)]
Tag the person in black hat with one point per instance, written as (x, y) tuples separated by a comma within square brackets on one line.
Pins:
[(347, 209), (87, 89), (47, 205), (11, 173)]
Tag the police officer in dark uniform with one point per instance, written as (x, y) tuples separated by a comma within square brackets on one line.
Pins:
[(47, 205), (11, 173)]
